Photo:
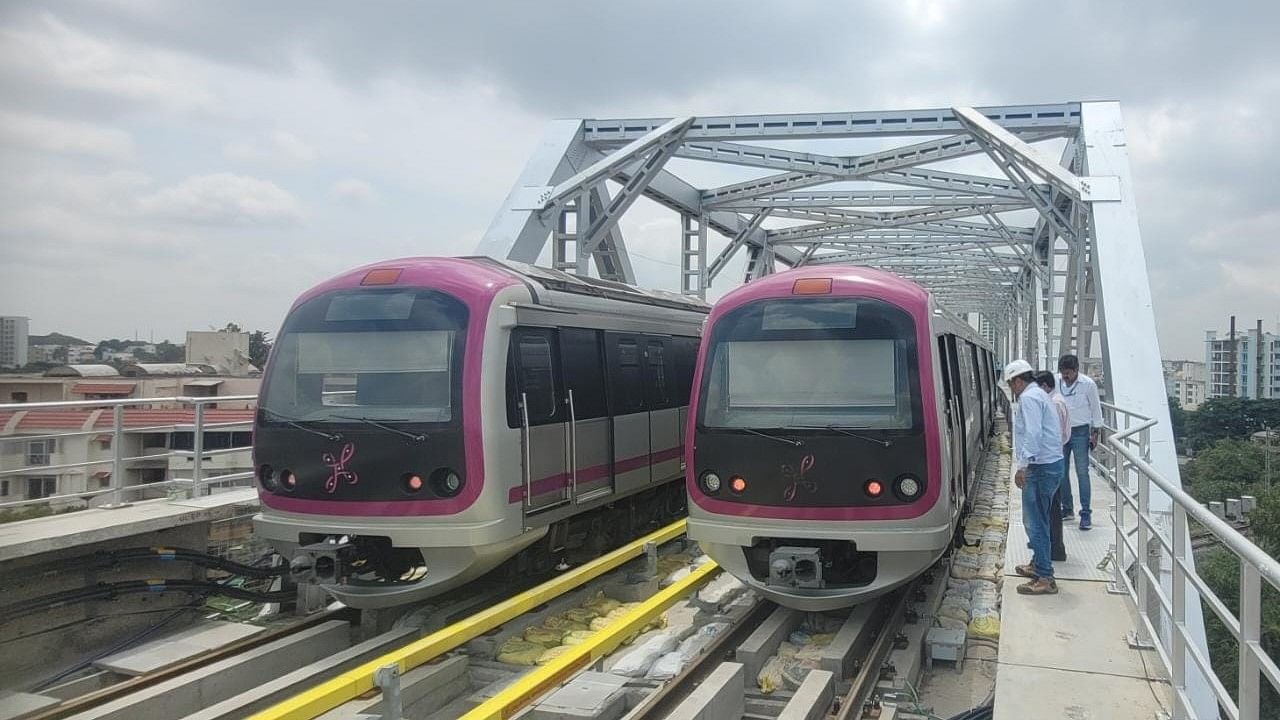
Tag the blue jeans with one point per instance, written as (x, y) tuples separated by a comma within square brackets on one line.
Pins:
[(1041, 482), (1078, 448)]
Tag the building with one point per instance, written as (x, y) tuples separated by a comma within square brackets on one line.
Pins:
[(147, 380), (1244, 364), (1185, 380), (156, 442), (227, 351), (58, 348), (13, 341)]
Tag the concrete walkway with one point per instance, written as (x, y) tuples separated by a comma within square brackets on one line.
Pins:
[(1066, 655), (26, 538)]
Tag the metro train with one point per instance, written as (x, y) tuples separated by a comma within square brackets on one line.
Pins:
[(426, 420), (837, 424)]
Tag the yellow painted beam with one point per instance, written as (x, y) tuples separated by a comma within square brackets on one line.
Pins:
[(537, 683), (359, 680)]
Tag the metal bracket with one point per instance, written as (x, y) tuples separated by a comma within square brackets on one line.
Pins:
[(1135, 641)]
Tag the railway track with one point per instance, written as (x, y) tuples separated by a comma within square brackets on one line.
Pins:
[(326, 667)]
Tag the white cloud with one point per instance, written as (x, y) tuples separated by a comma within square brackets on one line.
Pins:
[(281, 146), (62, 55), (354, 191), (38, 132), (224, 199)]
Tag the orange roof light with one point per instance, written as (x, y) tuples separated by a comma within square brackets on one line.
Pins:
[(812, 286), (737, 483), (382, 276)]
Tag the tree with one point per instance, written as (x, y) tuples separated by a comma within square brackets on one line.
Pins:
[(1178, 421), (231, 328), (1228, 468), (259, 348), (1220, 418), (168, 352), (60, 354)]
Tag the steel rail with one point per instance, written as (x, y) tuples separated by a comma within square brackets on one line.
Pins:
[(360, 680)]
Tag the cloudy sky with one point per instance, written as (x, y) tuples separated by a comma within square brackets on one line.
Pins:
[(171, 165)]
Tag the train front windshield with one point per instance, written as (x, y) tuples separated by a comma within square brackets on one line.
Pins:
[(816, 363), (382, 355)]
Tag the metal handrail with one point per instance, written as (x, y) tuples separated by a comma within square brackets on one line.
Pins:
[(1127, 446), (198, 482)]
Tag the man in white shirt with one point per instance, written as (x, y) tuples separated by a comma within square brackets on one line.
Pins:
[(1085, 409), (1037, 450)]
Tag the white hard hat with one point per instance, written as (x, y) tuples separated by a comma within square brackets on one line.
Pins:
[(1016, 368)]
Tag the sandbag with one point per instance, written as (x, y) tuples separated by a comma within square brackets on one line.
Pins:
[(553, 653), (601, 604), (520, 652), (638, 661), (545, 637), (577, 637)]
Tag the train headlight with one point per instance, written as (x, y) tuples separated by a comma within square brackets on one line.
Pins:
[(710, 482), (267, 476), (907, 487), (446, 482), (288, 479)]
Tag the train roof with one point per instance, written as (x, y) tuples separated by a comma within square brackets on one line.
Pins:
[(579, 285)]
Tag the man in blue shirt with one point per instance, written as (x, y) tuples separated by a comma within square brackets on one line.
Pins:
[(1037, 451)]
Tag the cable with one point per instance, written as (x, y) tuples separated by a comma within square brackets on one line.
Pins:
[(109, 558), (89, 620), (107, 591), (111, 650)]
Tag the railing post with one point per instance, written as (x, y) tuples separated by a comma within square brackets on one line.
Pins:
[(1178, 651), (197, 490), (1143, 552), (117, 454), (1250, 640)]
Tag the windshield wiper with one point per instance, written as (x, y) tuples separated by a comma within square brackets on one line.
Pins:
[(779, 438), (297, 423), (416, 437), (845, 431)]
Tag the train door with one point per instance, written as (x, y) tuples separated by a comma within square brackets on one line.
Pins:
[(542, 417), (955, 433), (984, 394), (624, 356), (590, 430), (964, 404), (664, 411)]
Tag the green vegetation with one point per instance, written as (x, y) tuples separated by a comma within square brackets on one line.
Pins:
[(1227, 464)]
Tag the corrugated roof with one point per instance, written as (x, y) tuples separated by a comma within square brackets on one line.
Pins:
[(104, 388), (82, 371), (75, 418)]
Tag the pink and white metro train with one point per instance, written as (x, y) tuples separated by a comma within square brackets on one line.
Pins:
[(424, 420), (838, 420)]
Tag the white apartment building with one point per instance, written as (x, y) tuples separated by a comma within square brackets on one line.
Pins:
[(13, 340), (1185, 380), (1247, 366)]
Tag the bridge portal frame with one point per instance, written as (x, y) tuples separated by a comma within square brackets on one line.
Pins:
[(1075, 280)]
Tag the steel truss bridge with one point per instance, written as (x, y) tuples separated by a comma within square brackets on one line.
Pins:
[(1040, 248)]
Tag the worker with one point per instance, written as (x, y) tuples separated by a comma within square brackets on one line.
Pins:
[(1081, 395), (1037, 452), (1046, 381)]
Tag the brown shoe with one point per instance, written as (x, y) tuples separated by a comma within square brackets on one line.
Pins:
[(1039, 586), (1026, 571)]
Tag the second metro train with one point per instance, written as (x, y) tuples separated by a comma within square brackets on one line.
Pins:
[(425, 420), (837, 423)]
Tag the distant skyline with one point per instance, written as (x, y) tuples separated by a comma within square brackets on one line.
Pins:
[(167, 166)]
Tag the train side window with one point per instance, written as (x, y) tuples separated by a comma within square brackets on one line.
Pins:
[(945, 366), (657, 378), (536, 376), (626, 383), (583, 371)]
